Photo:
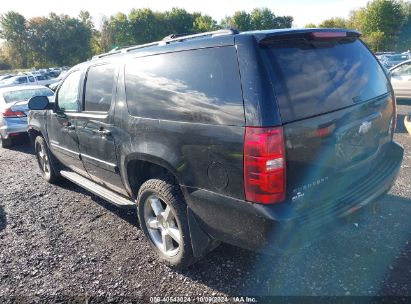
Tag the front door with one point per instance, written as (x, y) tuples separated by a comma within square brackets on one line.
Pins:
[(61, 124), (95, 128)]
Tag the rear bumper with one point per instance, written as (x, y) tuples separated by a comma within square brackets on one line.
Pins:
[(12, 125), (267, 228)]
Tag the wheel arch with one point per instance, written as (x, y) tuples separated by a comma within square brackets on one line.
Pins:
[(140, 167)]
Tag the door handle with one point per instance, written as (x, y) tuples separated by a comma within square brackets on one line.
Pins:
[(69, 126), (104, 132)]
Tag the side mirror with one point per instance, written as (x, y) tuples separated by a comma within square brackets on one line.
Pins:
[(39, 103)]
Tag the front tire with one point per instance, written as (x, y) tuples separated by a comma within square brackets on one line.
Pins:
[(162, 213), (5, 143), (43, 156)]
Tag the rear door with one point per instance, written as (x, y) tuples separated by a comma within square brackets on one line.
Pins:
[(337, 109), (401, 80), (95, 128)]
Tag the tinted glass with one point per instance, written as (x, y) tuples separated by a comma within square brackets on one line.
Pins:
[(311, 78), (26, 94), (67, 97), (191, 86), (31, 78), (99, 88), (22, 80)]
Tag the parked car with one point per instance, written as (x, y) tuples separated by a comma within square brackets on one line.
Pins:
[(45, 80), (392, 60), (407, 122), (54, 72), (18, 80), (28, 79), (401, 79), (262, 139), (4, 77), (14, 110)]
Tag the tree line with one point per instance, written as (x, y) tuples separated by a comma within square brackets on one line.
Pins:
[(385, 24), (59, 40), (64, 41)]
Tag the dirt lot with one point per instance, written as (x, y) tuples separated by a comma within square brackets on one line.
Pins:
[(61, 241)]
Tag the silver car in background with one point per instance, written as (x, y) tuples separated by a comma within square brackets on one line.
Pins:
[(14, 110), (401, 79)]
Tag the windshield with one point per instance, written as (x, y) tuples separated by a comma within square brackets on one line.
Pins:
[(13, 96), (314, 77)]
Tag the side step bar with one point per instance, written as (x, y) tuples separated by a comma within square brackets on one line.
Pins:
[(98, 190)]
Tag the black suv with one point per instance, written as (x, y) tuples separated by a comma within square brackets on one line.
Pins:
[(259, 139)]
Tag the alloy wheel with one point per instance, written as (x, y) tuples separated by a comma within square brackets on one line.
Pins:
[(162, 226)]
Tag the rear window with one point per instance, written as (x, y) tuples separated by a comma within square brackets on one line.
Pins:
[(398, 57), (190, 86), (313, 77), (21, 95)]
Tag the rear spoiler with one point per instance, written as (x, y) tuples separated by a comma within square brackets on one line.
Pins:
[(265, 37)]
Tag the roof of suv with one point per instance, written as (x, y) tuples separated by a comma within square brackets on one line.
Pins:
[(210, 39)]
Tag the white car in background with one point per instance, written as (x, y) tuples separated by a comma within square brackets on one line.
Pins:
[(401, 79), (24, 79)]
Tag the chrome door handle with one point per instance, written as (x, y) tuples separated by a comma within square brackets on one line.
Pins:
[(104, 132)]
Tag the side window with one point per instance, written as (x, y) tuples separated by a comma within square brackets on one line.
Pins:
[(22, 80), (31, 78), (404, 70), (67, 96), (192, 86), (99, 88)]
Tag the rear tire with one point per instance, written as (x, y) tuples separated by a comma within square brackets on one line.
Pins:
[(44, 159), (162, 213), (5, 143)]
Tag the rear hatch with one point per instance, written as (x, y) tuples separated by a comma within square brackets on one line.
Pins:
[(337, 109)]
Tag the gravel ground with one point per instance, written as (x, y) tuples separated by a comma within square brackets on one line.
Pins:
[(60, 242)]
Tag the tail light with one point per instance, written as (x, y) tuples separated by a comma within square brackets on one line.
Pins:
[(264, 165), (9, 113), (326, 35)]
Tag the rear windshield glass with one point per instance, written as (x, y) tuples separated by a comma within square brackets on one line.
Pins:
[(315, 77), (398, 57), (13, 96)]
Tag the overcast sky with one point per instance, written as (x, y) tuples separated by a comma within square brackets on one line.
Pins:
[(303, 11)]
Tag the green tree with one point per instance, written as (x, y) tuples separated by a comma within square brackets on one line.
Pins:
[(241, 20), (310, 25), (375, 41), (336, 22), (146, 26), (58, 40), (204, 23), (262, 18), (117, 31), (383, 19), (258, 19), (178, 21), (13, 30)]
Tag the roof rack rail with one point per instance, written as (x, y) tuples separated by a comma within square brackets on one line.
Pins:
[(181, 37), (166, 40)]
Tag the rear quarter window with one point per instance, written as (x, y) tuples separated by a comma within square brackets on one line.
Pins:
[(190, 86), (310, 79)]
